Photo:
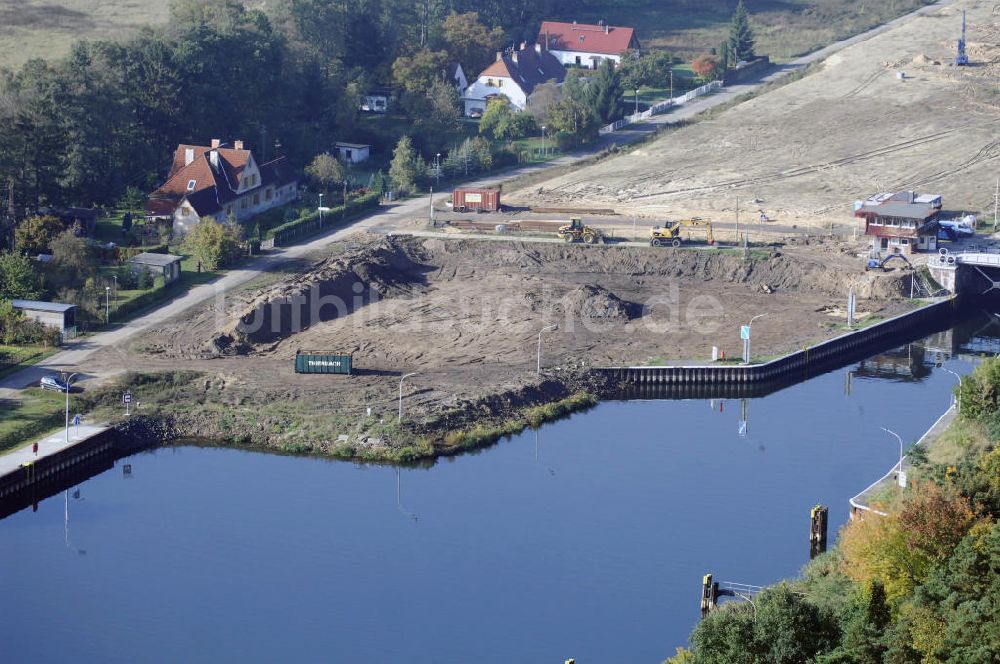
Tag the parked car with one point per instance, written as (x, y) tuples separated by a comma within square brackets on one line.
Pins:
[(475, 113), (54, 383)]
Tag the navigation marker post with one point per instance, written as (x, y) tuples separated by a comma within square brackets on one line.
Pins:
[(127, 401)]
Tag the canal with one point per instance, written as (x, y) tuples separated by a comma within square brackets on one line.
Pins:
[(585, 539)]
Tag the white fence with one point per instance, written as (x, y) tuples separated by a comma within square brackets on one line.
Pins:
[(662, 107)]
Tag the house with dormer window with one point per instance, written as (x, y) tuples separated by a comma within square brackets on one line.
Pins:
[(584, 45), (514, 74), (220, 182)]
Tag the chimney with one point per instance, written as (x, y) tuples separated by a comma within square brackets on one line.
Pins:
[(523, 46), (499, 56), (238, 145), (216, 143), (213, 157), (607, 29), (188, 155), (513, 55)]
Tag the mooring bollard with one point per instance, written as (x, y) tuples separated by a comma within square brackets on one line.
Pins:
[(709, 595), (817, 530)]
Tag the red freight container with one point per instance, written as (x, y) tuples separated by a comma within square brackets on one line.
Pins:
[(479, 200)]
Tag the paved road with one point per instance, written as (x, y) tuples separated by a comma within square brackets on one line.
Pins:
[(78, 351)]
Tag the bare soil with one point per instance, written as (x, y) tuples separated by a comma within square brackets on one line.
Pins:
[(804, 152), (466, 314)]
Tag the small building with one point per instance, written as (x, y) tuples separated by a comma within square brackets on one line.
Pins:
[(167, 266), (83, 219), (352, 153), (900, 223), (54, 314), (376, 101), (514, 74), (583, 45)]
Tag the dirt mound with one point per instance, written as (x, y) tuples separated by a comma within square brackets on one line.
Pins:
[(379, 268), (596, 303)]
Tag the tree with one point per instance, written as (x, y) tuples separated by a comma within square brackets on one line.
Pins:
[(705, 66), (605, 93), (416, 73), (212, 244), (18, 279), (325, 171), (437, 113), (71, 257), (651, 68), (541, 101), (34, 234), (405, 166), (863, 628), (920, 529), (132, 200), (504, 122), (782, 629), (469, 42), (741, 38)]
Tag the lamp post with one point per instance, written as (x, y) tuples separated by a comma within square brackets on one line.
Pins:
[(543, 142), (405, 376), (538, 369), (958, 395), (437, 170), (107, 304), (321, 209), (637, 101), (899, 466), (115, 277), (68, 379), (746, 345)]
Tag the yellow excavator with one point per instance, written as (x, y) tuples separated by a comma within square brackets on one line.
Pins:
[(576, 231), (670, 232)]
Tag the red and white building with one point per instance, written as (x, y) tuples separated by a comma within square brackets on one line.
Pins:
[(514, 74), (900, 223), (583, 45), (222, 183)]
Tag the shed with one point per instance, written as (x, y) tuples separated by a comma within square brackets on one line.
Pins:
[(167, 266), (54, 314), (353, 153)]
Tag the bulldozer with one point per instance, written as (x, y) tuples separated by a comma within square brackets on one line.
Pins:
[(670, 232), (575, 231)]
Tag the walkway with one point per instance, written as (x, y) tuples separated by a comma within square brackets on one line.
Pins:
[(53, 444)]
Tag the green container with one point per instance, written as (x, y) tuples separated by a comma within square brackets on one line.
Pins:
[(324, 363)]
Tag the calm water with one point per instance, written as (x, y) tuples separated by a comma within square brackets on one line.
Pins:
[(588, 540)]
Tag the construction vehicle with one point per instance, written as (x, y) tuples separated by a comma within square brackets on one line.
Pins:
[(576, 230), (876, 263), (670, 233), (962, 59)]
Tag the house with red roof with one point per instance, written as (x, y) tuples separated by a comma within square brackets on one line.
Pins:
[(584, 45), (220, 182), (514, 74)]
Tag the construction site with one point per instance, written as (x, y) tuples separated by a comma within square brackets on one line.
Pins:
[(894, 112), (634, 259)]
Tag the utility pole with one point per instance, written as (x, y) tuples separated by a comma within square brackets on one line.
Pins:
[(432, 206), (671, 84), (996, 202)]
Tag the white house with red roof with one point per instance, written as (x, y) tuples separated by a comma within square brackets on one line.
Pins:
[(220, 182), (585, 45), (514, 74)]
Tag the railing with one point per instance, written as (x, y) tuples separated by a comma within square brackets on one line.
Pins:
[(661, 107)]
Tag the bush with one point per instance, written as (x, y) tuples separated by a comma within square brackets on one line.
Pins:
[(309, 222)]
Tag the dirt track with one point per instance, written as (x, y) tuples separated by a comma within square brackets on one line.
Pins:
[(805, 152), (466, 315)]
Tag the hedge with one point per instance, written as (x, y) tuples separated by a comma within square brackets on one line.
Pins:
[(309, 223), (152, 297)]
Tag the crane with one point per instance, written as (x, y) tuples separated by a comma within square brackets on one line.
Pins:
[(962, 59)]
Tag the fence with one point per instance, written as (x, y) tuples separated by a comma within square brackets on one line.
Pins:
[(662, 107)]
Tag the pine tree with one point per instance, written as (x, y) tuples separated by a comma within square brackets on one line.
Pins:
[(403, 170), (741, 39)]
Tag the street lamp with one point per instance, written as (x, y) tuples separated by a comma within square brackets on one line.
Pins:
[(543, 142), (405, 376), (437, 169), (107, 304), (890, 431), (321, 209), (637, 101), (746, 343), (70, 378), (115, 277), (958, 395), (538, 369)]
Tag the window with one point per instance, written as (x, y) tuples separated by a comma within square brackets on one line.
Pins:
[(256, 199), (229, 211), (243, 203), (184, 211), (876, 221), (904, 241), (192, 184), (268, 194), (892, 221), (578, 61)]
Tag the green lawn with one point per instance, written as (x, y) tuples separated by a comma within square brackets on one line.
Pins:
[(24, 356), (38, 412)]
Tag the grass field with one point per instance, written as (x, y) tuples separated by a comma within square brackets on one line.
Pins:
[(785, 28), (37, 413), (47, 28)]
